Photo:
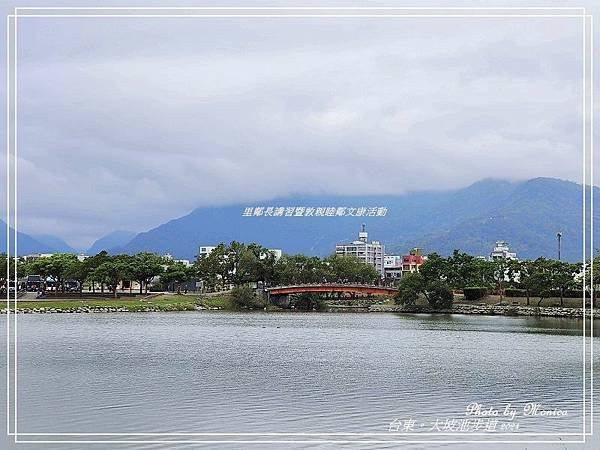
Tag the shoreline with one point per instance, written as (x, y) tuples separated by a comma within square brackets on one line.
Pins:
[(490, 310), (144, 307)]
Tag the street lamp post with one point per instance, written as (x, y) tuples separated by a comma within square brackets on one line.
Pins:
[(559, 237)]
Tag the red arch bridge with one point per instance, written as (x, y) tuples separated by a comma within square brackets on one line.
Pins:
[(277, 291)]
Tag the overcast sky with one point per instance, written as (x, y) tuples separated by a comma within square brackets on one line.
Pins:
[(127, 123)]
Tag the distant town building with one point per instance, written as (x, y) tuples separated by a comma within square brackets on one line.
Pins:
[(369, 252), (392, 266), (502, 251), (185, 262), (204, 250), (413, 261), (392, 261), (277, 252), (33, 256)]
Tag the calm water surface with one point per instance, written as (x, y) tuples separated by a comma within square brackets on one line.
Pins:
[(202, 372)]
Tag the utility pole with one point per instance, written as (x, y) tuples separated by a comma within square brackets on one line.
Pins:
[(559, 237)]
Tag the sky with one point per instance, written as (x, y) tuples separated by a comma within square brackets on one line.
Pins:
[(128, 123)]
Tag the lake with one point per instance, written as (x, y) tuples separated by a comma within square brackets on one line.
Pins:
[(220, 372)]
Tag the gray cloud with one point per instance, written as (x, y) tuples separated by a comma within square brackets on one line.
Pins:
[(126, 123)]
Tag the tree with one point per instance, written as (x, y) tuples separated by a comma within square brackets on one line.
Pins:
[(463, 270), (564, 276), (522, 271), (349, 269), (256, 264), (436, 273), (176, 273), (594, 276), (144, 267), (434, 268), (7, 269), (439, 295), (540, 279), (234, 254), (8, 264), (55, 266), (114, 270), (93, 263), (243, 297), (79, 271), (436, 291), (501, 273), (265, 267), (300, 269), (409, 288), (591, 276), (213, 269)]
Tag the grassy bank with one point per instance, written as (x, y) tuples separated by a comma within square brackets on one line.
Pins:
[(522, 301), (223, 302), (160, 303)]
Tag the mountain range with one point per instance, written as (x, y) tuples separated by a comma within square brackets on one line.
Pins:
[(527, 214), (111, 241), (26, 243)]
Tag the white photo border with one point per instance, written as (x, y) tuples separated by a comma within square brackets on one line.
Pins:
[(11, 112)]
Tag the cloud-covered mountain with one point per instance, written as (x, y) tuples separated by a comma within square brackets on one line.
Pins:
[(526, 214), (110, 241), (227, 111)]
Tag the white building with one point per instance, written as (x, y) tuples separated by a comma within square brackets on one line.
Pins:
[(185, 262), (277, 252), (502, 251), (33, 256), (205, 250), (392, 261), (392, 266), (369, 252)]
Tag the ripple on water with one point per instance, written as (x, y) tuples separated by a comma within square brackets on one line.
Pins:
[(217, 372)]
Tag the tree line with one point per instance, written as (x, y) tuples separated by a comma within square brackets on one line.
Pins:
[(104, 271), (238, 264), (439, 276), (233, 264)]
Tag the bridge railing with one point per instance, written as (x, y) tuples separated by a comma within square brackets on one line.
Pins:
[(331, 285)]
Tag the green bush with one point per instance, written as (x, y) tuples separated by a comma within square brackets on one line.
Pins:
[(439, 295), (406, 297), (473, 293), (408, 289), (575, 293), (567, 293), (512, 292), (243, 297)]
